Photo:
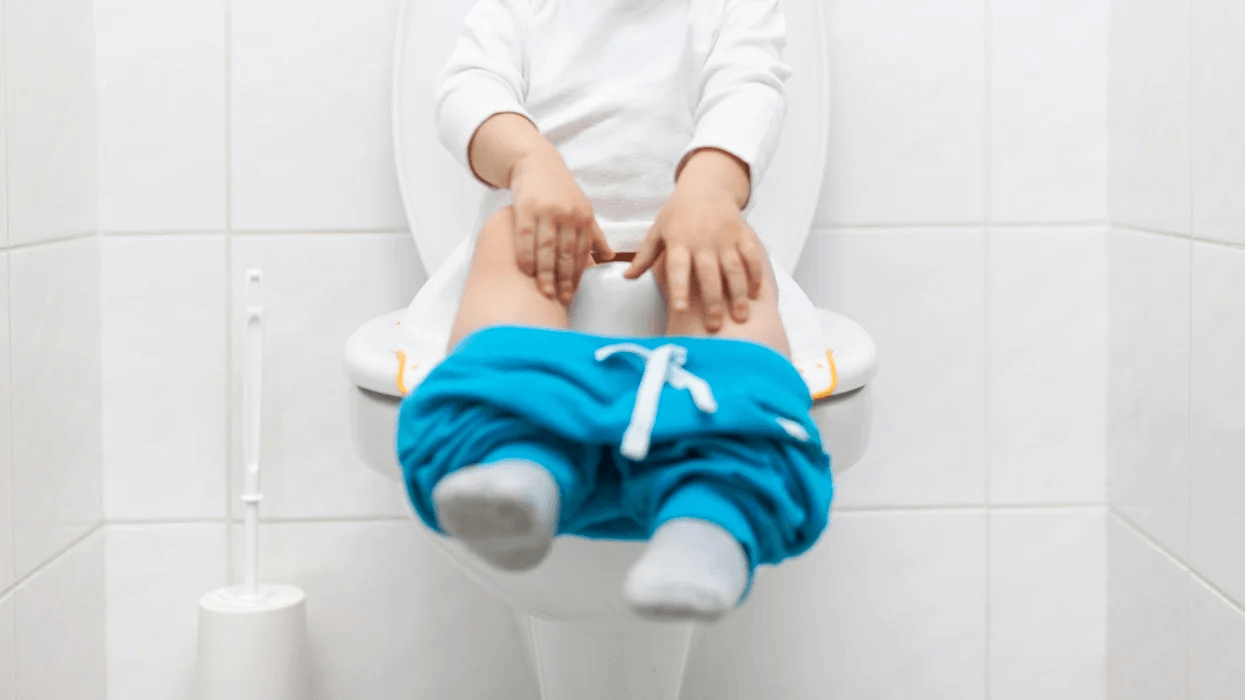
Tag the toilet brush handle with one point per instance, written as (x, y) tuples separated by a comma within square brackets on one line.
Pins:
[(252, 405)]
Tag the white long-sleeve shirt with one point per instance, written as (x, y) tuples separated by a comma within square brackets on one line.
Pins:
[(624, 89)]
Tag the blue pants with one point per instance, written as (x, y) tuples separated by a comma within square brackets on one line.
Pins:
[(754, 465)]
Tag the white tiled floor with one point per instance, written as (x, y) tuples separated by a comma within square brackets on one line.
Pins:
[(155, 577), (921, 296), (1148, 384), (1048, 126), (164, 357), (318, 289), (1217, 440), (886, 607), (161, 100), (56, 397), (889, 62), (1048, 580), (310, 134), (1148, 98), (1047, 324), (60, 627)]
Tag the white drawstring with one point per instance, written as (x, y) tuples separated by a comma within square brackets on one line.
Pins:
[(662, 365)]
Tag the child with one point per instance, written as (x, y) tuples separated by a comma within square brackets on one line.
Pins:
[(640, 126)]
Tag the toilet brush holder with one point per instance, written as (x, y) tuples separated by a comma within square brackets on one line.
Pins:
[(253, 637), (253, 647)]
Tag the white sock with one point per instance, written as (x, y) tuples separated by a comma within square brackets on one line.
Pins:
[(506, 512), (692, 570)]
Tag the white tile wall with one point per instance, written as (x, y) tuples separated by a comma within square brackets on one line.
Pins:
[(1047, 322), (1148, 385), (311, 145), (156, 575), (1217, 486), (161, 99), (1216, 645), (921, 296), (51, 120), (60, 627), (6, 462), (318, 289), (1148, 99), (4, 159), (391, 619), (163, 350), (887, 607), (8, 649), (889, 63), (1048, 123), (1048, 586), (1147, 619), (1218, 95), (54, 355)]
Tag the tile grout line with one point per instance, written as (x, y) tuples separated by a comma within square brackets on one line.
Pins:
[(1143, 230), (8, 304), (1189, 249), (30, 245), (986, 297), (230, 393), (1194, 574), (60, 554), (840, 227), (360, 232)]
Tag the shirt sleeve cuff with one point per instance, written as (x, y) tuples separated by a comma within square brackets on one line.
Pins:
[(746, 125), (468, 105)]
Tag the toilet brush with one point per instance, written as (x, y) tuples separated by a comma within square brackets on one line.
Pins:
[(252, 637)]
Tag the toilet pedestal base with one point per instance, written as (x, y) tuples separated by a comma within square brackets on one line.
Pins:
[(607, 660)]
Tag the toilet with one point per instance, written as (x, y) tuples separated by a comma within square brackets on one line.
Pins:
[(582, 640)]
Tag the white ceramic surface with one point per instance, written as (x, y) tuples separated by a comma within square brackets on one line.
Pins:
[(1048, 125), (174, 387), (1148, 385), (1148, 108), (1147, 619), (162, 118)]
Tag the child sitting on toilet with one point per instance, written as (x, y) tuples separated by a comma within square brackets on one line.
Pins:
[(619, 128)]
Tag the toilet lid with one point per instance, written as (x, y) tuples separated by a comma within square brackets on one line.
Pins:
[(442, 200)]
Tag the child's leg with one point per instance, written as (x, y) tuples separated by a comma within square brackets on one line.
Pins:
[(703, 551), (764, 324), (699, 560), (497, 291), (506, 507)]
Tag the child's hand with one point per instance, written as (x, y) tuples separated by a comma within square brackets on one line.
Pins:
[(701, 229), (555, 230)]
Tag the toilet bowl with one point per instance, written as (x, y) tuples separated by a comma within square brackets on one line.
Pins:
[(582, 640)]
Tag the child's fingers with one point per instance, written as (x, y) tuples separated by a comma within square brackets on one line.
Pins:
[(754, 259), (736, 284), (599, 243), (709, 278), (566, 262), (645, 256), (678, 271), (583, 249), (525, 242), (546, 247)]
